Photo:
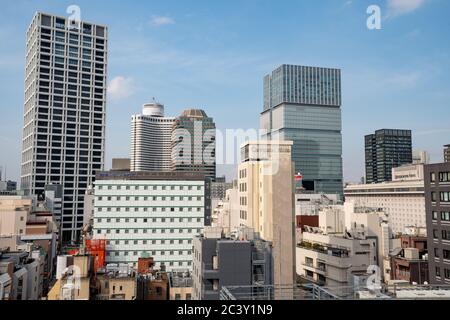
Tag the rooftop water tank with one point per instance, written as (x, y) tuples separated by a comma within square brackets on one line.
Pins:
[(153, 109)]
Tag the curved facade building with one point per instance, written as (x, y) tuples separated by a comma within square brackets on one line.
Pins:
[(150, 139)]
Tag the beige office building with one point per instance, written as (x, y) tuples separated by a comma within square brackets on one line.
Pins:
[(402, 199), (266, 198)]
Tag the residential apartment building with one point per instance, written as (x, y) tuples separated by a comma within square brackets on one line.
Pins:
[(180, 285), (410, 263), (437, 199), (348, 242), (14, 212), (402, 199), (193, 143), (386, 149), (266, 198), (220, 261), (151, 134), (154, 212), (303, 104), (64, 111)]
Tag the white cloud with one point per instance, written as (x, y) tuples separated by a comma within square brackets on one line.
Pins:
[(120, 87), (161, 21), (400, 7)]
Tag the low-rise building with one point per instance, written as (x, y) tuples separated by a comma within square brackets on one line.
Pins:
[(219, 261), (152, 284), (25, 273), (180, 285), (72, 278), (349, 241)]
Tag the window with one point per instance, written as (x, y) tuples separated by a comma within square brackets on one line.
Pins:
[(444, 176), (433, 177), (447, 273), (445, 196), (433, 196), (435, 234), (445, 235), (446, 254), (445, 216), (435, 216), (436, 253)]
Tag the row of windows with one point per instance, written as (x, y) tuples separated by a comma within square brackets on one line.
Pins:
[(145, 220), (166, 263), (100, 187), (154, 209), (145, 198), (443, 177), (161, 253), (443, 196), (145, 242), (445, 236), (145, 231), (446, 273), (445, 216)]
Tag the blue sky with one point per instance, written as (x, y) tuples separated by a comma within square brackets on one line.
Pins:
[(214, 54)]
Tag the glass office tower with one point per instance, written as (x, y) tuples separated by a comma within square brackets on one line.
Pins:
[(386, 149), (303, 104)]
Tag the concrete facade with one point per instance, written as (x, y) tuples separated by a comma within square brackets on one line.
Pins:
[(64, 111), (402, 199), (154, 212), (220, 262), (437, 199), (266, 192)]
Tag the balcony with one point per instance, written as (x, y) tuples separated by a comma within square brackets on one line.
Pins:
[(334, 251)]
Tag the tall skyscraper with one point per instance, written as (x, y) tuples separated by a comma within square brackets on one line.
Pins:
[(386, 149), (303, 104), (447, 153), (194, 143), (266, 193), (64, 111), (437, 203), (151, 135)]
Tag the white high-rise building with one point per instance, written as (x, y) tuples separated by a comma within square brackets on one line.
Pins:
[(151, 135), (64, 111)]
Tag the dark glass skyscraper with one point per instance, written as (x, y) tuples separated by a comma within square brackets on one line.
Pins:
[(303, 104), (386, 149)]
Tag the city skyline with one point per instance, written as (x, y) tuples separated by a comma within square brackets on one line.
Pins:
[(181, 73)]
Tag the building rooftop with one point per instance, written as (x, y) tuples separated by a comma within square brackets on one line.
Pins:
[(180, 279), (149, 175), (194, 113)]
